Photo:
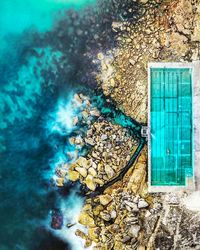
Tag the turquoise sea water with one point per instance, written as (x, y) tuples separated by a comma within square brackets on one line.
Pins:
[(33, 85), (48, 51)]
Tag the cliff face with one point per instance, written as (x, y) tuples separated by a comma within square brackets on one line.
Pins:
[(125, 216)]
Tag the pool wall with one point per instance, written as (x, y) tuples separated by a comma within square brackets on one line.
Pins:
[(191, 182)]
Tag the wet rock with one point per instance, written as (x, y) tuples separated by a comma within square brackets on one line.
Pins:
[(100, 56), (60, 172), (85, 114), (94, 112), (69, 225), (78, 99), (79, 140), (143, 1), (73, 175), (75, 121), (72, 140), (86, 220), (60, 182)]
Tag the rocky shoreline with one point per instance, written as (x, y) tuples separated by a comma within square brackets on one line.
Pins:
[(125, 215)]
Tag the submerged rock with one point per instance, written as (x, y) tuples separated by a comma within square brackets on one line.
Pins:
[(78, 99), (60, 182), (56, 220)]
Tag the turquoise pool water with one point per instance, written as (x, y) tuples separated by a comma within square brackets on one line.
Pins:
[(171, 126)]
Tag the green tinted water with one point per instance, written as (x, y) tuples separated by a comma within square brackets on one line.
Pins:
[(19, 15), (171, 126)]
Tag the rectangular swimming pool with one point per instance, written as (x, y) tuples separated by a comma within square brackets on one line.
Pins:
[(171, 126)]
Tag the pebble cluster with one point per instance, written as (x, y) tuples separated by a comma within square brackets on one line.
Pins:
[(111, 149)]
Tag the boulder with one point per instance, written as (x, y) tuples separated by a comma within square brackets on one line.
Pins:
[(93, 233), (82, 171), (134, 230), (113, 214), (92, 171), (105, 216), (105, 199), (109, 171), (86, 220), (97, 209), (132, 205), (99, 181), (89, 181), (82, 162), (80, 234), (73, 175), (142, 203)]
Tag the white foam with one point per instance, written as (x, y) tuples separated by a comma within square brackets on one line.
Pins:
[(71, 209)]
